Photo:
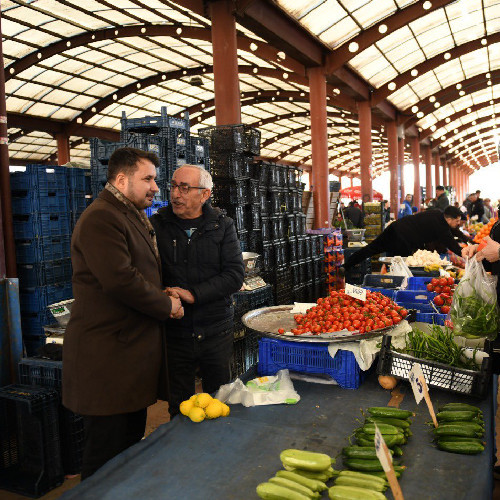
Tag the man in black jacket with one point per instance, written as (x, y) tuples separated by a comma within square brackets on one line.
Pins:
[(202, 264), (405, 236), (354, 214)]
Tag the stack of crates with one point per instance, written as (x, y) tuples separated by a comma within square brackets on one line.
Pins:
[(334, 260), (41, 220), (100, 152), (232, 148), (199, 152), (166, 136), (48, 374), (374, 219), (30, 462), (76, 184)]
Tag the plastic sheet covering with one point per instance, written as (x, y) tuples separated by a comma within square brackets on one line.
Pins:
[(228, 457)]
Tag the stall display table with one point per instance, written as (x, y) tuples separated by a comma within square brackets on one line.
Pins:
[(228, 457)]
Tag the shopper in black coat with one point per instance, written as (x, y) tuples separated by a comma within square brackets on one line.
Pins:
[(355, 215), (405, 236), (202, 263)]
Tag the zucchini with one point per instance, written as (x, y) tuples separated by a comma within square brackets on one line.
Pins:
[(307, 460), (270, 491), (355, 473), (390, 412), (360, 483), (463, 447), (455, 430), (383, 428), (339, 492), (320, 476), (292, 485), (397, 422), (383, 474), (312, 484), (455, 415), (360, 452)]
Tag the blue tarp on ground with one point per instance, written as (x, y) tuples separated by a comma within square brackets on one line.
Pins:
[(226, 458)]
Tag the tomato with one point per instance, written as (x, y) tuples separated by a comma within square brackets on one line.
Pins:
[(438, 300), (403, 313), (450, 281), (443, 281), (368, 328), (445, 309), (438, 289), (435, 281), (446, 289), (430, 287), (281, 331), (356, 324), (396, 320)]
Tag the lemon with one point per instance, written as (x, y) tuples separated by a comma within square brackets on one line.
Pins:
[(225, 410), (186, 406), (193, 398), (196, 414), (203, 400), (214, 409)]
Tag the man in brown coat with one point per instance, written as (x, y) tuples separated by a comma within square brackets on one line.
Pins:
[(113, 349)]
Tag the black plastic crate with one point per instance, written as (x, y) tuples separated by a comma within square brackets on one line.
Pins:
[(291, 226), (253, 192), (30, 462), (253, 217), (309, 291), (286, 203), (284, 296), (277, 227), (294, 267), (301, 247), (294, 174), (307, 247), (278, 176), (253, 299), (243, 238), (245, 353), (230, 166), (260, 172), (238, 213), (280, 253), (300, 223), (263, 201), (313, 244), (318, 269), (255, 240), (292, 249), (302, 271), (383, 281), (296, 201), (265, 223), (199, 151), (268, 258), (299, 293), (226, 192), (277, 203), (152, 124), (438, 375), (235, 138)]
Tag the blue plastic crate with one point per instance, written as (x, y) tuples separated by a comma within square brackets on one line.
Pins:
[(32, 323), (77, 202), (435, 318), (33, 300), (44, 273), (421, 296), (155, 207), (424, 307), (39, 177), (387, 292), (40, 200), (275, 355), (75, 178), (34, 225), (418, 282), (34, 250), (59, 292), (381, 280)]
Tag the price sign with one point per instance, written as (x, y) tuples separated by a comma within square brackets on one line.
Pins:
[(385, 458), (420, 389), (355, 291)]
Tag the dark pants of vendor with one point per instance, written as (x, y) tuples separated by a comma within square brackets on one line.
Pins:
[(388, 242), (212, 355), (118, 432)]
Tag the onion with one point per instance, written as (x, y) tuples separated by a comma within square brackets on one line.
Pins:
[(387, 382)]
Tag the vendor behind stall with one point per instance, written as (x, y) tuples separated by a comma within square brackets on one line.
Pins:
[(405, 236)]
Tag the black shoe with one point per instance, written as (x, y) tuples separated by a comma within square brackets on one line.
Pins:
[(496, 472)]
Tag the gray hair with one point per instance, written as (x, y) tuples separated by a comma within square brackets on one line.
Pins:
[(206, 180)]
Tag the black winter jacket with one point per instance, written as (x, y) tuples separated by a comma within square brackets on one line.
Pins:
[(209, 265)]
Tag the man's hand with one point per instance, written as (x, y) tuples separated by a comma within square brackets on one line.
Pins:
[(468, 251), (171, 292), (185, 295), (177, 311), (490, 251)]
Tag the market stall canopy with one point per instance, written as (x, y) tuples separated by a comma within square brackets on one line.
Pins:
[(355, 193)]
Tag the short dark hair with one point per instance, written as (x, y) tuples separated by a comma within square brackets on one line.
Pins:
[(452, 212), (441, 188), (478, 191), (125, 160)]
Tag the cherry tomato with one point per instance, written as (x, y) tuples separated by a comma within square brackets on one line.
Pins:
[(438, 300)]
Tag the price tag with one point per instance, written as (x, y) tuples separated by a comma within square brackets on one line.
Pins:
[(420, 389), (385, 458), (355, 291)]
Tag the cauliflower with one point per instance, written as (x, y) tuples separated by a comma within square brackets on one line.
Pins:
[(422, 258)]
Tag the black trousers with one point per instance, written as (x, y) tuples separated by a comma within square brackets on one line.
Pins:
[(387, 242), (184, 355), (107, 436)]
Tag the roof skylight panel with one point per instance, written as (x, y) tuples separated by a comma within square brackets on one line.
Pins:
[(322, 17), (341, 31), (373, 11)]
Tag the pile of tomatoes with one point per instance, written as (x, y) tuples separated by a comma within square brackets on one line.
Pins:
[(444, 287), (342, 312)]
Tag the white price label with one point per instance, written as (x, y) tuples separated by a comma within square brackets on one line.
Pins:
[(417, 381), (355, 291), (382, 451)]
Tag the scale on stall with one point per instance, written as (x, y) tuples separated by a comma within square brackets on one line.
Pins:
[(355, 238), (252, 269)]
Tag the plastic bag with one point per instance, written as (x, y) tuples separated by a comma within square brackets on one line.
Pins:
[(474, 309), (267, 390)]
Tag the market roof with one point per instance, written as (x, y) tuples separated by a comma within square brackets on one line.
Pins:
[(75, 66)]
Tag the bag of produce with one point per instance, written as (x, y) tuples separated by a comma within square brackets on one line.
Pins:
[(474, 310)]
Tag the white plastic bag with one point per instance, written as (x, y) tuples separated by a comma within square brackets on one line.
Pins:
[(266, 390)]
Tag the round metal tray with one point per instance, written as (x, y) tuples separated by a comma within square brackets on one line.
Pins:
[(268, 320)]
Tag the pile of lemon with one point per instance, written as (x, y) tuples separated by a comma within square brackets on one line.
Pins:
[(201, 406)]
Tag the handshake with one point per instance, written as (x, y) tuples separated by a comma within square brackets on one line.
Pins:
[(177, 295)]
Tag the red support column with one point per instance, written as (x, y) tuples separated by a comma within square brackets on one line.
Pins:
[(319, 146), (365, 149), (63, 155), (437, 177), (392, 152), (415, 156), (428, 171), (401, 163), (445, 173), (225, 59), (352, 181), (7, 247)]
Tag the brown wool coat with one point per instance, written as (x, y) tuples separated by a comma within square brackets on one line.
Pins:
[(113, 352)]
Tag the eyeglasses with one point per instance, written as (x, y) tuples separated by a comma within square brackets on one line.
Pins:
[(183, 188)]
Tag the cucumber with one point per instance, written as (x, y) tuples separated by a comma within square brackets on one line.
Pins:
[(455, 415), (455, 430), (360, 482), (365, 475), (339, 492), (368, 440), (361, 452), (307, 460), (460, 407), (312, 484), (363, 465), (383, 474), (270, 491), (387, 411), (398, 451), (464, 447), (397, 422), (292, 485), (460, 439), (383, 428)]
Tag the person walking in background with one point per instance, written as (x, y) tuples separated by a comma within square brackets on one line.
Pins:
[(406, 207), (354, 214), (387, 211), (489, 211), (114, 348), (202, 263), (442, 200)]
